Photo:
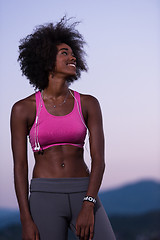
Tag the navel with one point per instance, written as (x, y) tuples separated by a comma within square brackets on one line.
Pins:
[(62, 165)]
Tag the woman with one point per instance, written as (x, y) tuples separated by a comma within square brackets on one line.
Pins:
[(63, 193)]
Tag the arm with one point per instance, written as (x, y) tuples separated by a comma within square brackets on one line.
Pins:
[(85, 221), (19, 131), (96, 139)]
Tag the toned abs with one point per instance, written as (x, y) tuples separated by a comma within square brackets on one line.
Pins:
[(60, 162)]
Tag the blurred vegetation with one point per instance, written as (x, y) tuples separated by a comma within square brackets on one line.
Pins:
[(140, 227), (12, 232)]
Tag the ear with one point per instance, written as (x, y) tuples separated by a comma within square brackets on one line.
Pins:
[(51, 74)]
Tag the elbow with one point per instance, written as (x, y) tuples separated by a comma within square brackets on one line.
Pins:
[(20, 168), (103, 166), (100, 165)]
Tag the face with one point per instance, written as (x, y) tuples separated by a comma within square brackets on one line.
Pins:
[(65, 61)]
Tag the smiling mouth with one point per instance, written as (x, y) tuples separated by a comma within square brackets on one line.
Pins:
[(72, 65)]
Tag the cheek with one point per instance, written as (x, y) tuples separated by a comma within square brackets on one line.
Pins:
[(60, 66), (57, 65)]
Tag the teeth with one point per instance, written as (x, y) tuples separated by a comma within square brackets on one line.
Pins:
[(71, 64)]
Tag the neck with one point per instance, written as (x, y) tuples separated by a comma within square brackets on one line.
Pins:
[(56, 87)]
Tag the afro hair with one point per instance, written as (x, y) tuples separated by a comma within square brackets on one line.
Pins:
[(37, 52)]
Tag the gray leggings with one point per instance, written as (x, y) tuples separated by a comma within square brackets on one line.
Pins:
[(56, 203)]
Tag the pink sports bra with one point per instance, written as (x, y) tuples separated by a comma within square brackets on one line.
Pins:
[(49, 130)]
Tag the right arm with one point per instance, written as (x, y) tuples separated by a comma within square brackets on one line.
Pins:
[(19, 130)]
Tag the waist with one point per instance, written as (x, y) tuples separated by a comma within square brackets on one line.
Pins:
[(60, 162), (59, 185)]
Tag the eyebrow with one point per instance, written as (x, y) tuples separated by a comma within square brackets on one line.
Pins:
[(63, 49)]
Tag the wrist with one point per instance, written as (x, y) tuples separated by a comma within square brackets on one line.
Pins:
[(25, 218), (89, 199), (88, 205)]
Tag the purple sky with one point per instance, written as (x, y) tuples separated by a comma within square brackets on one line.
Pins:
[(123, 57)]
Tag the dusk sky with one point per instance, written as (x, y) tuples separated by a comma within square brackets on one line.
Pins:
[(123, 55)]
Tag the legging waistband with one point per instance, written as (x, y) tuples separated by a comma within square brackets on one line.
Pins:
[(59, 185)]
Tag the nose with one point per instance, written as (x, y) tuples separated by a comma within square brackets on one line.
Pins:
[(73, 58)]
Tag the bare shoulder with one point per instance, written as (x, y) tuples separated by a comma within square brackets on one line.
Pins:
[(92, 111), (89, 101), (24, 106)]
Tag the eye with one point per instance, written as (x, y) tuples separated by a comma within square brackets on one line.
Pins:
[(64, 53)]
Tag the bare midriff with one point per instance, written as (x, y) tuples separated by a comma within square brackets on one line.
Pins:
[(63, 161)]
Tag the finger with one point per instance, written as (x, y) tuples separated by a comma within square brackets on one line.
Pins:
[(77, 230), (91, 233), (37, 236), (82, 232), (86, 234)]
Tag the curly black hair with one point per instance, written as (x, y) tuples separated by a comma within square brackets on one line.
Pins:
[(37, 52)]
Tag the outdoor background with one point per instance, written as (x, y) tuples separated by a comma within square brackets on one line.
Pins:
[(123, 57)]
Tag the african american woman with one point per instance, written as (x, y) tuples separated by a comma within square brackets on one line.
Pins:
[(63, 192)]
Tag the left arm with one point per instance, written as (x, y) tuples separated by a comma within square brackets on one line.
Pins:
[(96, 140), (85, 221)]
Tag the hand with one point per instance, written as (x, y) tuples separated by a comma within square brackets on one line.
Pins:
[(85, 221), (29, 231)]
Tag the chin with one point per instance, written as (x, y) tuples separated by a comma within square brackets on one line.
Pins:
[(73, 74), (68, 78)]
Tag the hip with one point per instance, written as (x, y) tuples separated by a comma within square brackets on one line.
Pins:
[(59, 185)]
